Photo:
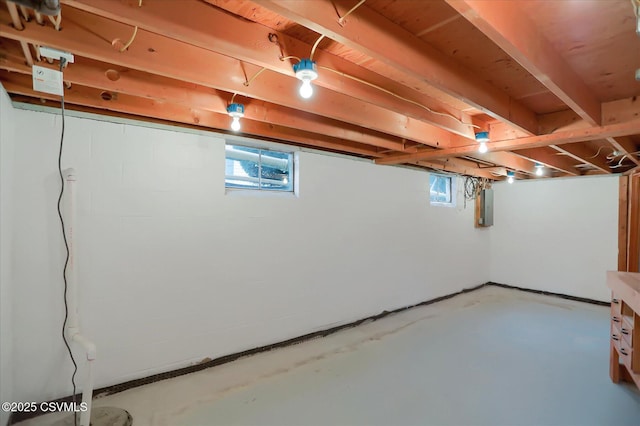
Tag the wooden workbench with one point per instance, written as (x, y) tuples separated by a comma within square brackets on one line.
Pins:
[(625, 326)]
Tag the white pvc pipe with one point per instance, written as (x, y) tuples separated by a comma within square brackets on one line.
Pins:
[(73, 324), (70, 221), (87, 389), (87, 395)]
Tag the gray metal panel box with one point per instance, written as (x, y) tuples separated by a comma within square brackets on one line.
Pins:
[(486, 207)]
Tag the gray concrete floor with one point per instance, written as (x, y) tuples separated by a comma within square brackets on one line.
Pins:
[(490, 357)]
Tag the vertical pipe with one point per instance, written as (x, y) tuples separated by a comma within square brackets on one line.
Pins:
[(17, 24), (27, 52), (87, 388), (73, 326), (25, 13), (72, 290), (87, 395), (15, 17)]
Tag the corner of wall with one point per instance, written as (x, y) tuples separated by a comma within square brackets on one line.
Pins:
[(539, 239), (7, 136)]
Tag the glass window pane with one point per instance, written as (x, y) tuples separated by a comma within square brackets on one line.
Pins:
[(276, 171), (440, 189), (242, 167), (254, 168)]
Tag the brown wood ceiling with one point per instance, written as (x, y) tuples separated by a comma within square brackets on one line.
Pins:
[(400, 81)]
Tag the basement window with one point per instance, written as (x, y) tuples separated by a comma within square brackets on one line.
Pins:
[(441, 190), (258, 169)]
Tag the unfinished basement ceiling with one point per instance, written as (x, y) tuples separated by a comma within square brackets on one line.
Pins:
[(400, 81)]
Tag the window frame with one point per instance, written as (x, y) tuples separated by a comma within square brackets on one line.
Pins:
[(452, 190), (259, 189)]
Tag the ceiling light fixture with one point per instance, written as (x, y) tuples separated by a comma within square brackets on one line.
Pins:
[(236, 112), (306, 71), (510, 176), (483, 138), (539, 169)]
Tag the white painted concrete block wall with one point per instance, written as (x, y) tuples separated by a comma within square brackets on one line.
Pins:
[(173, 270), (7, 136), (557, 235)]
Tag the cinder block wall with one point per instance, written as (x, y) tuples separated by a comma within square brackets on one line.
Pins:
[(172, 269)]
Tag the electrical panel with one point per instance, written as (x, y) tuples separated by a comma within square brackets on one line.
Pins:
[(486, 208)]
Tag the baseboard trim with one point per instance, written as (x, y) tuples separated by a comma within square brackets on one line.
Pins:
[(110, 390)]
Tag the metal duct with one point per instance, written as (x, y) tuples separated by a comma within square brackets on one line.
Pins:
[(46, 7)]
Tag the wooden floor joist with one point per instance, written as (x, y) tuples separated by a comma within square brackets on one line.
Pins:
[(411, 82)]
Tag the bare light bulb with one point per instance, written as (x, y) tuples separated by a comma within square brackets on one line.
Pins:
[(538, 171), (235, 124), (510, 179), (306, 90), (483, 147)]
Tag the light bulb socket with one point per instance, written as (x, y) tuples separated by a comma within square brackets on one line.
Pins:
[(482, 137), (236, 110), (510, 174), (306, 70)]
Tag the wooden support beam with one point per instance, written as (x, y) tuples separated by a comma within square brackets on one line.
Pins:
[(373, 34), (613, 112), (561, 121), (551, 160), (508, 160), (202, 25), (502, 131), (512, 30), (623, 217), (621, 110), (463, 167), (93, 98), (95, 74), (633, 239), (563, 137), (90, 36), (582, 153)]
